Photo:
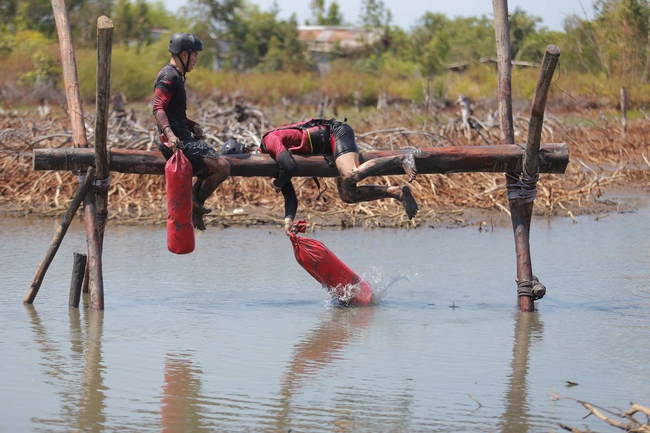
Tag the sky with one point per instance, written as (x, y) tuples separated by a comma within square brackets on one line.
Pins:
[(407, 12)]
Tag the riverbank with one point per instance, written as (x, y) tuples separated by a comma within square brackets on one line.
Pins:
[(607, 172)]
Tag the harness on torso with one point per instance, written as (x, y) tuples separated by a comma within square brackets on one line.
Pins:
[(320, 140)]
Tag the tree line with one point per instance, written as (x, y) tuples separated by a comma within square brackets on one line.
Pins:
[(615, 42)]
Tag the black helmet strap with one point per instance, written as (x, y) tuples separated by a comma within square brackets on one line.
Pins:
[(185, 65)]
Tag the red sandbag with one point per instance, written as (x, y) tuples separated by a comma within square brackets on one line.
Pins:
[(329, 270), (178, 179)]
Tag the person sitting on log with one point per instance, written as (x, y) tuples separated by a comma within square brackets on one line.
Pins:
[(331, 137), (178, 131)]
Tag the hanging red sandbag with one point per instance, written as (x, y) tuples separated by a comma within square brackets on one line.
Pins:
[(178, 179), (329, 270)]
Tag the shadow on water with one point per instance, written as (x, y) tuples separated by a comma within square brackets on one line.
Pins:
[(516, 418), (83, 409)]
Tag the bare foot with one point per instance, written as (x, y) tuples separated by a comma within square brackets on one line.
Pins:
[(419, 154), (410, 206), (197, 221), (408, 163), (197, 214), (199, 209)]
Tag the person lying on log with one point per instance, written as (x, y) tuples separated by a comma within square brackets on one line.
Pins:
[(332, 138), (178, 131)]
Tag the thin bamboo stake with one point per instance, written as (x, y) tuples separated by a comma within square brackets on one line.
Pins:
[(58, 236)]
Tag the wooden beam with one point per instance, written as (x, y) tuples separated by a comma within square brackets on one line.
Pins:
[(553, 158)]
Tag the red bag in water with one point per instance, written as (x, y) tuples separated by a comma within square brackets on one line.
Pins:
[(178, 179), (329, 270)]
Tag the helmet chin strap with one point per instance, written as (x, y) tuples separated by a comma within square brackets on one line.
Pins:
[(183, 63)]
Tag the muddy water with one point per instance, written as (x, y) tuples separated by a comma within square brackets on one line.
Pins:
[(237, 337)]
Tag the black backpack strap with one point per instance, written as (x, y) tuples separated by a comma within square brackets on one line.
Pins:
[(320, 192)]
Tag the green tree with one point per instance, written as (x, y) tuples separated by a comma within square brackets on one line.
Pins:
[(320, 17), (124, 21), (141, 24), (334, 17), (374, 14)]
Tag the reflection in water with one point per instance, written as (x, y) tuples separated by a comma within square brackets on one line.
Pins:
[(321, 348), (92, 404), (82, 409), (179, 406), (516, 418)]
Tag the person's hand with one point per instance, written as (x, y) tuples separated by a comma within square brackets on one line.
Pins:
[(198, 132), (172, 141), (289, 228)]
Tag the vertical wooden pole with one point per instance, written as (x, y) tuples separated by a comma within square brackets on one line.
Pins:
[(70, 78), (96, 279), (624, 111), (84, 187), (520, 212), (104, 47), (504, 66), (78, 269), (546, 71)]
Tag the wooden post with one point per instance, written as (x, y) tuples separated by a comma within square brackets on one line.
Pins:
[(520, 212), (70, 79), (95, 279), (84, 187), (104, 46), (78, 270), (624, 111), (504, 67), (531, 153)]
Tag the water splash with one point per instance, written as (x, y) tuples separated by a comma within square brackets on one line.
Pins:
[(381, 282)]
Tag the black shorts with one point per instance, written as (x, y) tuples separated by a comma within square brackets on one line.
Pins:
[(344, 141), (195, 151)]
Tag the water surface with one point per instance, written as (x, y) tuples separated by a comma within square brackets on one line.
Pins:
[(238, 337)]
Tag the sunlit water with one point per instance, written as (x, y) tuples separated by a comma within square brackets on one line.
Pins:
[(238, 337)]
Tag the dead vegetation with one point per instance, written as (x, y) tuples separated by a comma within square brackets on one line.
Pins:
[(620, 419), (600, 158)]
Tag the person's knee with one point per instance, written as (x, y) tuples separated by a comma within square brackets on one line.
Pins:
[(220, 166), (346, 191)]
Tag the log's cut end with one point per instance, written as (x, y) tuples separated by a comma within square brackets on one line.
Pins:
[(553, 50), (104, 22)]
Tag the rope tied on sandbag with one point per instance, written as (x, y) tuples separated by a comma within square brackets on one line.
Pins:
[(524, 186), (531, 289)]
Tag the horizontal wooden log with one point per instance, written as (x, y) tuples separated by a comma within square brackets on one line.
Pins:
[(553, 158)]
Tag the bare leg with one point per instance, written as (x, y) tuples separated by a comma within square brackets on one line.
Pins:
[(375, 166), (205, 186), (351, 193)]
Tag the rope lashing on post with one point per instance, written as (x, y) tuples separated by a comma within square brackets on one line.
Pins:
[(532, 289), (102, 184), (524, 186)]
